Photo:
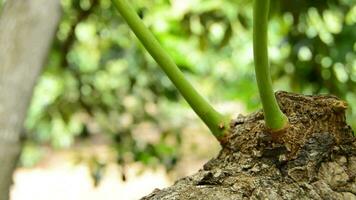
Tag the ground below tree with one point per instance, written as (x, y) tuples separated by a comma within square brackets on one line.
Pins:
[(314, 158)]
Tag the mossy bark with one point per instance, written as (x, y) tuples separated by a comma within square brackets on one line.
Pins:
[(314, 158)]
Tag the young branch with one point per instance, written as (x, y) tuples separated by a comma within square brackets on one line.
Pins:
[(274, 117), (214, 120)]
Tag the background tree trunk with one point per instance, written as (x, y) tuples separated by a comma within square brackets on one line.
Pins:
[(27, 28)]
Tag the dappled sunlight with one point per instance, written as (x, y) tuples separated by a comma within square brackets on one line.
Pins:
[(65, 181), (66, 174)]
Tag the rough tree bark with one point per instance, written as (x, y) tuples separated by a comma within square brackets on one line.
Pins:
[(315, 158), (27, 28)]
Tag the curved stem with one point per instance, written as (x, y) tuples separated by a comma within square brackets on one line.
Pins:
[(214, 120), (274, 117)]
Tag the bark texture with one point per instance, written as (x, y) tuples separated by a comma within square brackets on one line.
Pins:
[(314, 158), (27, 28)]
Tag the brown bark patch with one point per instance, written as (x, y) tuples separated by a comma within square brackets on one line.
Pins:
[(315, 158)]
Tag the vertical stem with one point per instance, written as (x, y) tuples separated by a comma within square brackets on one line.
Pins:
[(202, 108), (274, 117)]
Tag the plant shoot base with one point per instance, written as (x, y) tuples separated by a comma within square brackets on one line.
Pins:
[(314, 158)]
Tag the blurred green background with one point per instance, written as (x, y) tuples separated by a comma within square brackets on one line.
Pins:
[(99, 80)]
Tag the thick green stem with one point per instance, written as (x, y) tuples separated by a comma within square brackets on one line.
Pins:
[(274, 117), (214, 120)]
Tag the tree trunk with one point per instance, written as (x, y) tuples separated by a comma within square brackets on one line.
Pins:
[(27, 28), (314, 158)]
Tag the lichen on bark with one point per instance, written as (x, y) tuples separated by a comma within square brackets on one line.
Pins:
[(314, 158)]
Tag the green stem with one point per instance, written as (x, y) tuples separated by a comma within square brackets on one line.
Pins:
[(214, 120), (274, 117)]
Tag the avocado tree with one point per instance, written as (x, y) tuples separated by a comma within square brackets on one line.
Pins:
[(265, 155), (100, 76)]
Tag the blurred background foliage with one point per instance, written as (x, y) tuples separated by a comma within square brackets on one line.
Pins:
[(99, 81)]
